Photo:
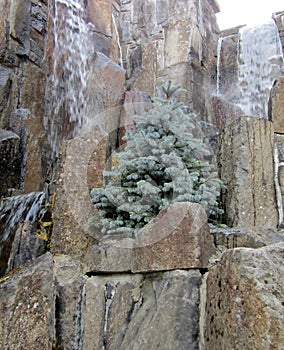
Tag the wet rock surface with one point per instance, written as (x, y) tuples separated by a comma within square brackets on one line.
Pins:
[(175, 286), (20, 219), (10, 162)]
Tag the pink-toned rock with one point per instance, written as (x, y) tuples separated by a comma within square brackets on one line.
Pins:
[(103, 22), (178, 238), (225, 112), (135, 102), (105, 15), (27, 307), (73, 206), (84, 159)]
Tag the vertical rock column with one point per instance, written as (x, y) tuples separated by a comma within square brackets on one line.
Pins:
[(246, 167), (171, 40), (22, 82), (245, 300), (276, 110), (279, 20)]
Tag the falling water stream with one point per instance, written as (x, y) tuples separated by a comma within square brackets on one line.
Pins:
[(219, 48), (260, 63), (117, 40), (73, 52), (21, 208), (14, 212)]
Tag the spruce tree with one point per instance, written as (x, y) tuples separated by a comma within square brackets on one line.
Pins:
[(162, 163)]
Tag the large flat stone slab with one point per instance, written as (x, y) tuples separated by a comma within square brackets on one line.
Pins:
[(178, 238)]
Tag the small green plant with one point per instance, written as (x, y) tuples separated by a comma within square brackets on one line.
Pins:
[(162, 163), (45, 225), (56, 345)]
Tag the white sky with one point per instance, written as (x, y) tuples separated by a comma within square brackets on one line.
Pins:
[(250, 12)]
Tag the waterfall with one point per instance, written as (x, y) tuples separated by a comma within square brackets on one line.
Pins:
[(279, 200), (219, 48), (14, 212), (202, 30), (19, 209), (260, 63), (73, 52), (118, 41)]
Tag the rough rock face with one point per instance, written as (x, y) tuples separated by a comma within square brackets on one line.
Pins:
[(135, 102), (245, 300), (27, 29), (253, 237), (27, 306), (107, 84), (9, 166), (228, 62), (73, 205), (165, 39), (225, 112), (278, 17), (97, 308), (69, 302), (125, 311), (29, 128), (107, 26), (22, 80), (124, 293), (5, 95), (178, 238), (246, 168), (20, 218), (84, 159), (279, 169), (277, 106)]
